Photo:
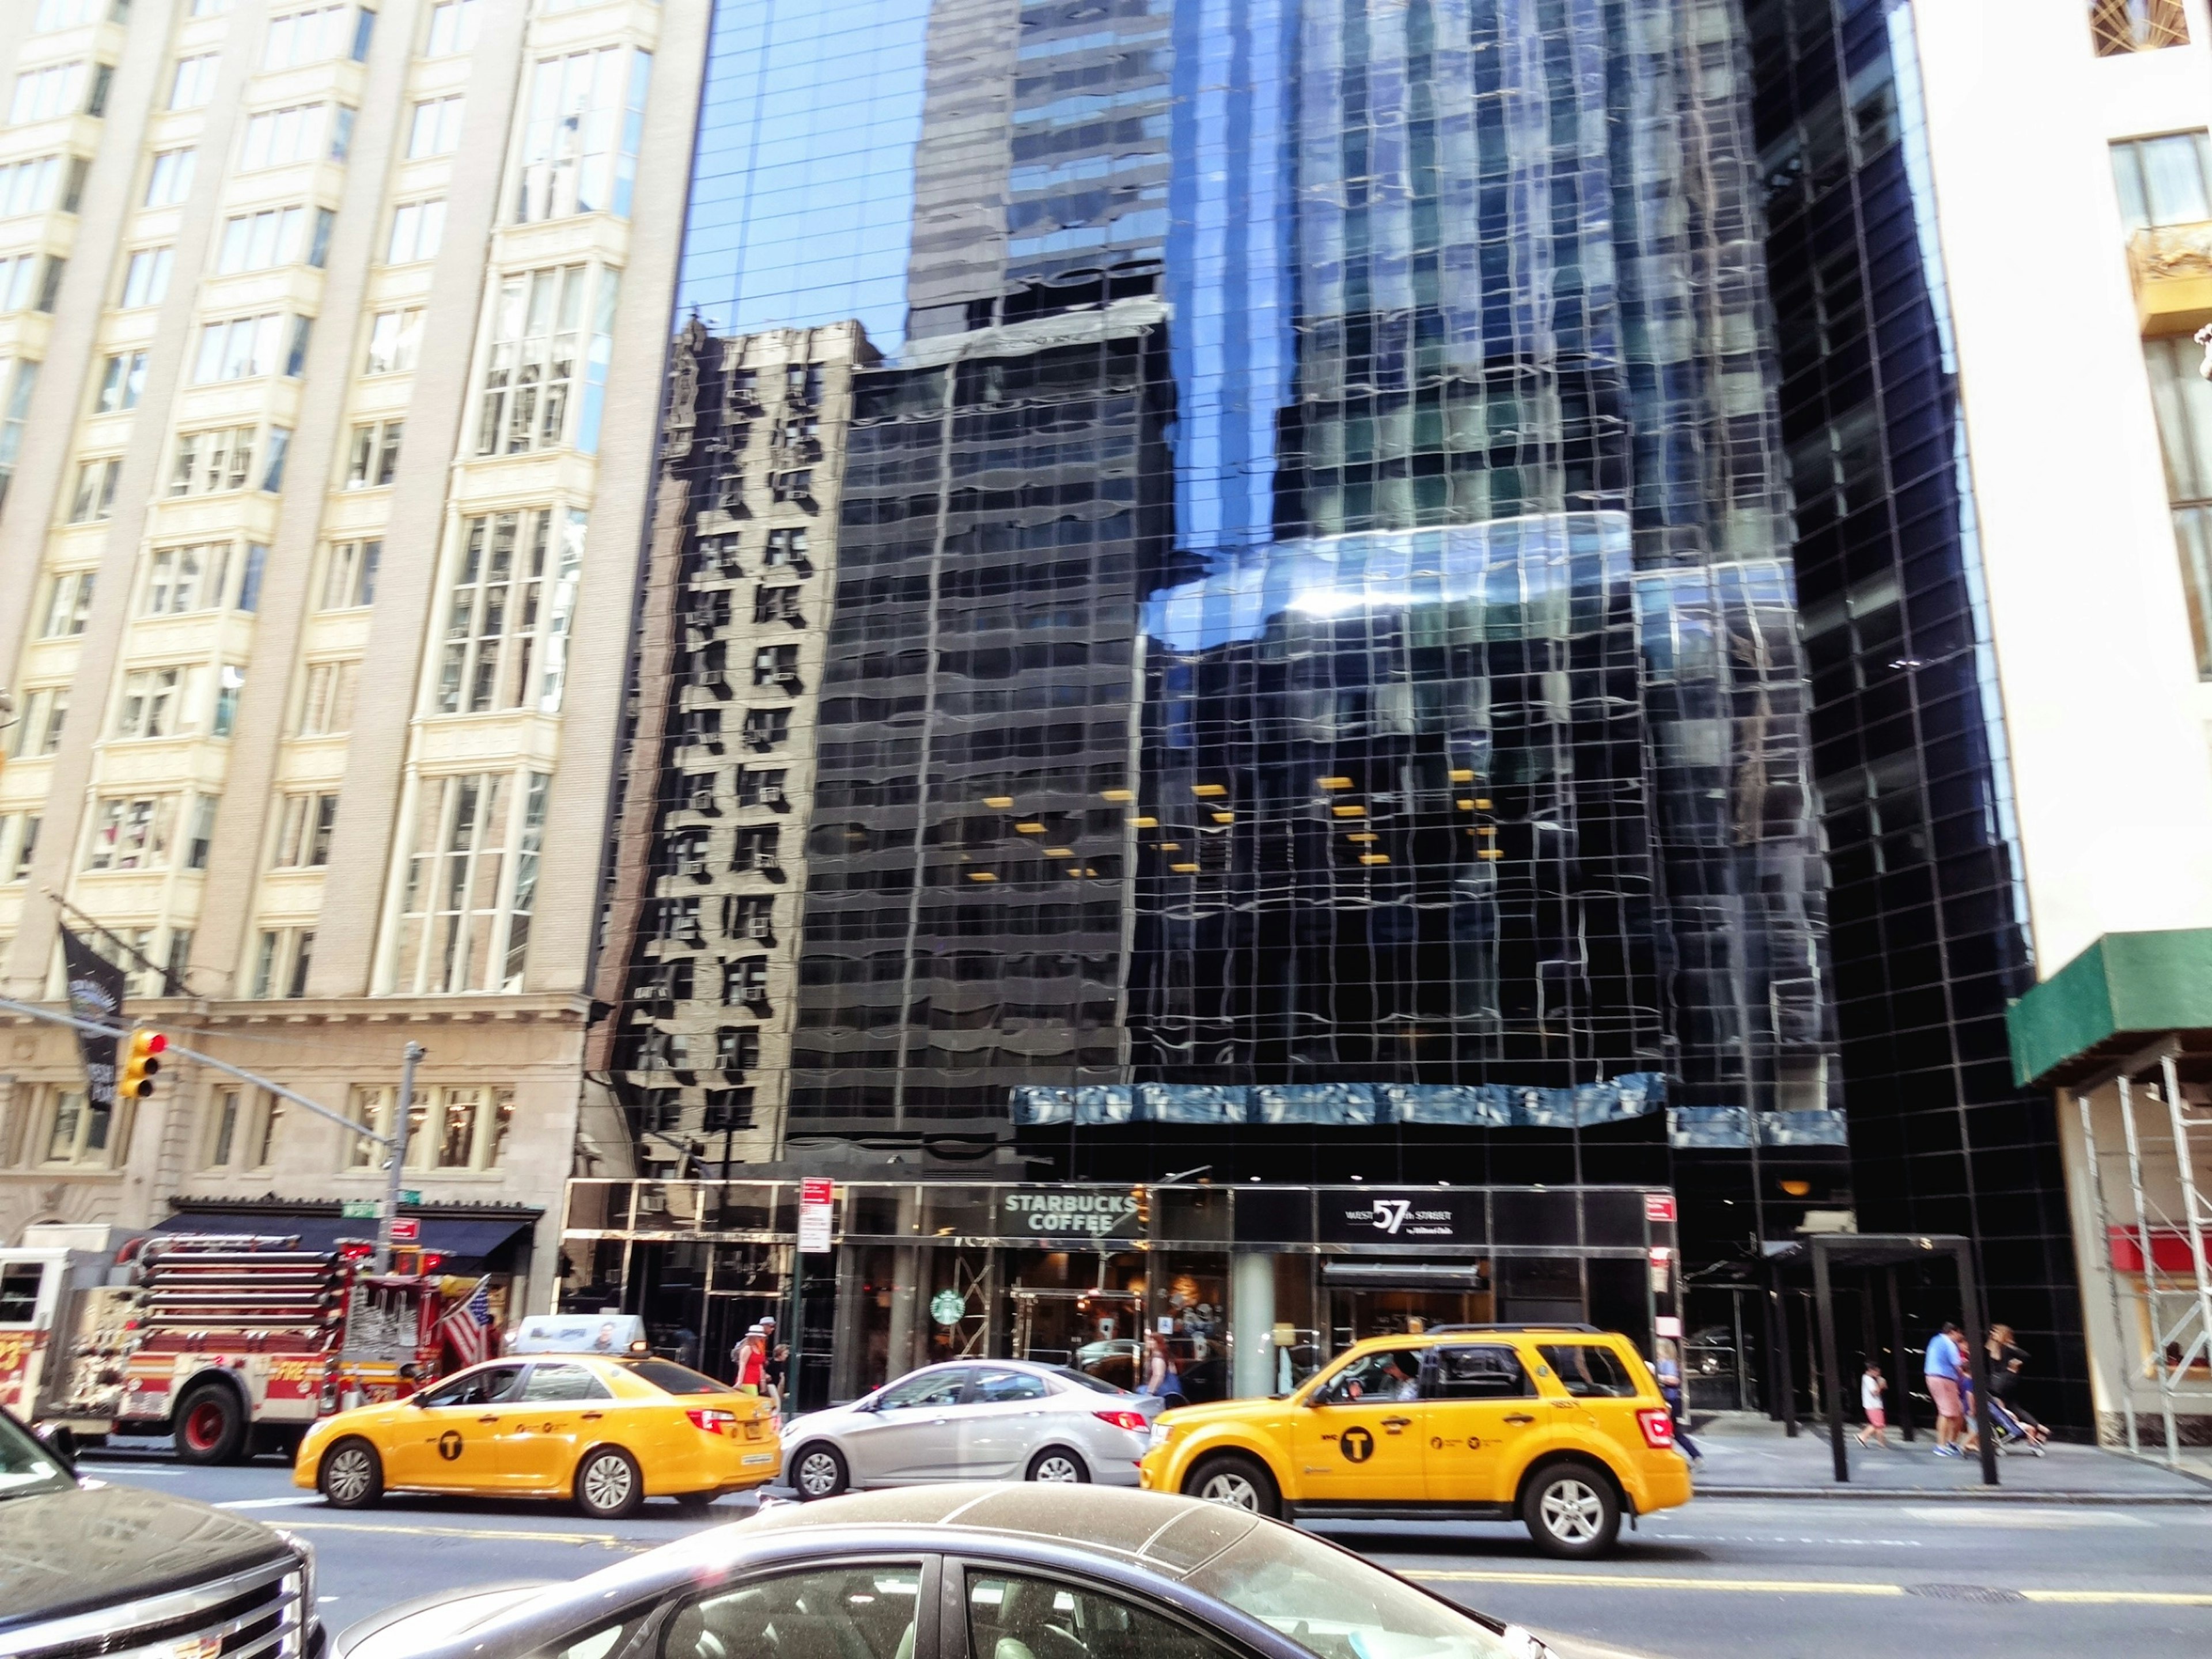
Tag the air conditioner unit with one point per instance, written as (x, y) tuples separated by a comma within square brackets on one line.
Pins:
[(702, 800)]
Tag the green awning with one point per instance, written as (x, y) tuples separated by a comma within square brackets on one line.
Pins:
[(2122, 994)]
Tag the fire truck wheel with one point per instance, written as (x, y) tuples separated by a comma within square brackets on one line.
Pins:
[(211, 1424), (608, 1484), (352, 1476)]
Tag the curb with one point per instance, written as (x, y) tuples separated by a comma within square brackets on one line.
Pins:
[(1952, 1495)]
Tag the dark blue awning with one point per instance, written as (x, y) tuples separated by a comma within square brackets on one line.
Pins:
[(467, 1238)]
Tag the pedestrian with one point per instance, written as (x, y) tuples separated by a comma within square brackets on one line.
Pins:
[(687, 1347), (1161, 1379), (2006, 1359), (772, 1372), (1871, 1390), (1670, 1371), (1940, 1367), (748, 1360)]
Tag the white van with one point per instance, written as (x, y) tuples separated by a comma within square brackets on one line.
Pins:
[(598, 1332)]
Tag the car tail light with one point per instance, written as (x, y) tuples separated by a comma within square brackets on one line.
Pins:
[(710, 1421), (1658, 1429), (1136, 1422)]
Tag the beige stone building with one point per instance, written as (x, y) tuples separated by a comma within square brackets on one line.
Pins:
[(329, 365)]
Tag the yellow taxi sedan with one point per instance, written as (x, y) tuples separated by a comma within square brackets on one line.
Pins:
[(608, 1432), (1561, 1428)]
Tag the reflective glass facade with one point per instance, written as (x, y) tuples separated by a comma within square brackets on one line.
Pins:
[(1313, 638)]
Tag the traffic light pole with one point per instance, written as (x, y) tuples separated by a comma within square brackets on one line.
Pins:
[(403, 1111), (395, 1143)]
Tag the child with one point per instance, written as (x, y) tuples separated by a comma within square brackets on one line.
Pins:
[(1871, 1390)]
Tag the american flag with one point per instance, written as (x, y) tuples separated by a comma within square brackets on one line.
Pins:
[(467, 1326)]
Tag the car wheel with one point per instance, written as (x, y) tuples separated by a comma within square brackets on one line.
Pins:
[(1239, 1482), (819, 1472), (1057, 1463), (608, 1484), (352, 1475), (1570, 1509), (210, 1425)]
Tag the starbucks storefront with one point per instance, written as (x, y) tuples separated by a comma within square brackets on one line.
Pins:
[(1254, 1286)]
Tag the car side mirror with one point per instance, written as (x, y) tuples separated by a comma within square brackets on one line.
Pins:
[(419, 1399)]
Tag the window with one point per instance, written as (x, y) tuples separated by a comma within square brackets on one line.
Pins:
[(861, 1613), (745, 982), (1486, 1372), (394, 338), (483, 1387), (2163, 181), (38, 725), (19, 281), (156, 702), (210, 8), (95, 490), (41, 94), (417, 228), (767, 728), (281, 960), (1588, 1371), (563, 1382), (349, 577), (170, 180), (242, 1128), (223, 1126), (2118, 26), (993, 1387), (261, 241), (131, 834), (272, 464), (278, 136), (776, 665), (587, 113), (212, 463), (303, 832), (326, 705), (146, 279), (311, 36), (507, 621), (77, 1131), (16, 412), (436, 128), (472, 879), (374, 458), (342, 132), (28, 186), (121, 381), (241, 349), (193, 84), (53, 14), (530, 374), (785, 548), (1007, 1615), (230, 685), (50, 282), (69, 603), (454, 1128), (27, 850), (199, 839), (2182, 401), (181, 579), (452, 28), (295, 347)]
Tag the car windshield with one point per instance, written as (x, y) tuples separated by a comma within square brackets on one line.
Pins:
[(27, 1468), (672, 1378), (1332, 1603), (1099, 1384)]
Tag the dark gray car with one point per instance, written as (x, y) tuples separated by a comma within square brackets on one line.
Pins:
[(959, 1573)]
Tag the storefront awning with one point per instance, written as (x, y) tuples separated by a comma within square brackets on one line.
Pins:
[(463, 1237), (2119, 996)]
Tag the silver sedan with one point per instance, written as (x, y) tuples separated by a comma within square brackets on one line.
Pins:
[(999, 1420)]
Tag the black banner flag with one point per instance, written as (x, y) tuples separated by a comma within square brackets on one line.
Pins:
[(95, 993)]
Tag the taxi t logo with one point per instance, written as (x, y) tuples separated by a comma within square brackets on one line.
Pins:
[(1358, 1445), (449, 1445)]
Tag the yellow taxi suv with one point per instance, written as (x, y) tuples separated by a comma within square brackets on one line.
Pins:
[(1563, 1428), (608, 1432)]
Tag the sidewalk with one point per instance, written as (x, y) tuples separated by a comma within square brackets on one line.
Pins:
[(1748, 1457)]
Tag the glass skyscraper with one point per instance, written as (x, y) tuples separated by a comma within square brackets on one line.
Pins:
[(1305, 530)]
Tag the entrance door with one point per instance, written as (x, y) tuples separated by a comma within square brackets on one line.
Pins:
[(450, 1439), (1361, 1440), (1480, 1402)]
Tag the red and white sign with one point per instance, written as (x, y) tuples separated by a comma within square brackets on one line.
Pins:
[(1667, 1325), (406, 1230), (818, 1201), (1658, 1206)]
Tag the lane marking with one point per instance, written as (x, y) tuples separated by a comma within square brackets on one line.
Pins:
[(2025, 1520), (266, 1503), (605, 1538), (1799, 1587)]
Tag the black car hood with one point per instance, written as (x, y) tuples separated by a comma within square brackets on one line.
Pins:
[(73, 1551)]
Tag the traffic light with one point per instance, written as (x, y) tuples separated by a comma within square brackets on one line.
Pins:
[(140, 1061)]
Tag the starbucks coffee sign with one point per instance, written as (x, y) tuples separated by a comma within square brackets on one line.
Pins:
[(1081, 1213)]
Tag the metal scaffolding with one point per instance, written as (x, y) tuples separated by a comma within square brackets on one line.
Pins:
[(2158, 1120)]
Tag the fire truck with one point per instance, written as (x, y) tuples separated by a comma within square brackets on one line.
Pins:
[(231, 1344)]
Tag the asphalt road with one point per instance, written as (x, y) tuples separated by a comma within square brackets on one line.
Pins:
[(1801, 1579)]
